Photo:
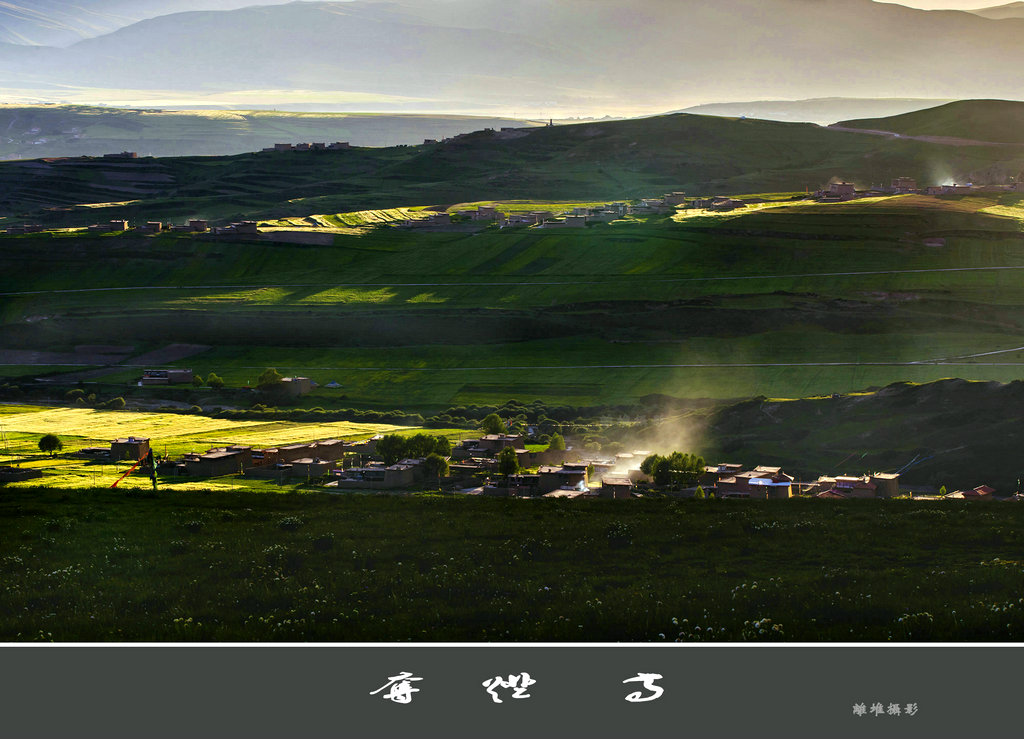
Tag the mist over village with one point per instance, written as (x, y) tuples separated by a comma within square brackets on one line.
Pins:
[(539, 322)]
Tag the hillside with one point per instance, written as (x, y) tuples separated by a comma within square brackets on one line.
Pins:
[(68, 130), (593, 161), (557, 58), (953, 433), (1002, 12), (1000, 121), (822, 111)]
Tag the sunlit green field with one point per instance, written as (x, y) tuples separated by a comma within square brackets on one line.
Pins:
[(783, 300), (170, 435)]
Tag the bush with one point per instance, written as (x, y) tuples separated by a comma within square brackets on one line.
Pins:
[(214, 381)]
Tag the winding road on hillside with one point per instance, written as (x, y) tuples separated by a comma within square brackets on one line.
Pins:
[(941, 140)]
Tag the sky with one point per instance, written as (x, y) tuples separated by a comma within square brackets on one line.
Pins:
[(948, 4)]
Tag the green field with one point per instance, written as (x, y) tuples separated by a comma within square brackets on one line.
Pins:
[(788, 301), (210, 566), (171, 435)]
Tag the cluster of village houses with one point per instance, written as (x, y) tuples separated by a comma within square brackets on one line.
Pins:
[(843, 191), (319, 146), (578, 217), (195, 226), (474, 470)]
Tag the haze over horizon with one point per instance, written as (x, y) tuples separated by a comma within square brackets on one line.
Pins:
[(530, 60)]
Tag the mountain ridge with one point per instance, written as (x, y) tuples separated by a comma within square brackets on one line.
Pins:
[(567, 57)]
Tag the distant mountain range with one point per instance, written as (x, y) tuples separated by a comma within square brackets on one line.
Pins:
[(1002, 12), (64, 22), (537, 56)]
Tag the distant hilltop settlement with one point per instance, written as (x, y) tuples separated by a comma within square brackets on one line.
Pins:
[(501, 465), (577, 217)]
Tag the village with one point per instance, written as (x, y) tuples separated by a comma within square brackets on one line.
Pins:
[(490, 465), (576, 217)]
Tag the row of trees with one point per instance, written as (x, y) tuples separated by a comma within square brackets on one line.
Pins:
[(393, 447), (678, 469), (212, 381)]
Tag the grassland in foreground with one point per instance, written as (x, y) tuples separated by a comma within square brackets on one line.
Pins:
[(209, 566)]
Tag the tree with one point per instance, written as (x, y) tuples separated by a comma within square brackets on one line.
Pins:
[(50, 444), (424, 444), (391, 448), (508, 462), (648, 465), (436, 466), (197, 380), (442, 446), (677, 469), (214, 381), (493, 424), (557, 443), (115, 404), (269, 378)]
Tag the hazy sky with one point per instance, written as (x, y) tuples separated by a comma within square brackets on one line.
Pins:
[(947, 4)]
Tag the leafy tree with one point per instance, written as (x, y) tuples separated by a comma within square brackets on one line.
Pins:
[(677, 469), (197, 380), (436, 466), (422, 445), (442, 446), (492, 424), (699, 495), (75, 394), (50, 444), (115, 404), (214, 381), (391, 448), (508, 462), (942, 490), (648, 465), (557, 443), (269, 378)]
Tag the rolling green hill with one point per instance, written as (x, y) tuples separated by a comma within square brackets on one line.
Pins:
[(949, 433), (999, 121), (593, 161)]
